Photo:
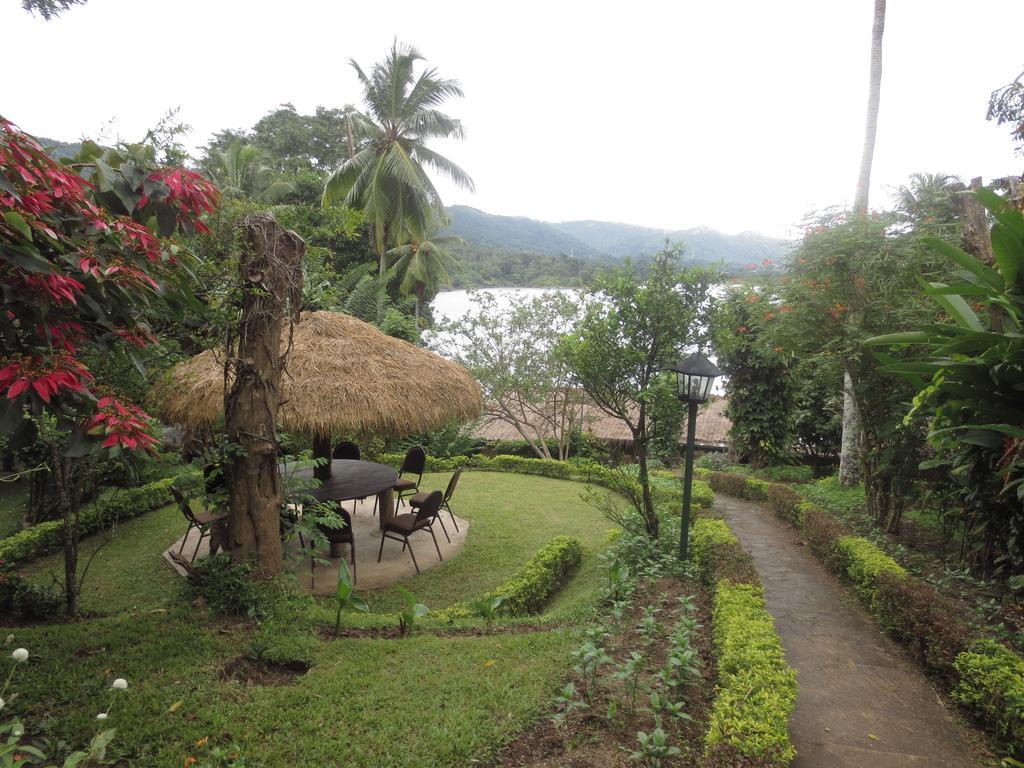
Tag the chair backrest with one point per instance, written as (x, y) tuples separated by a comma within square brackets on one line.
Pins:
[(452, 484), (415, 462), (430, 507), (183, 505), (213, 479), (346, 450)]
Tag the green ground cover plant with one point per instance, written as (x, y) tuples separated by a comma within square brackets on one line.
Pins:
[(756, 689)]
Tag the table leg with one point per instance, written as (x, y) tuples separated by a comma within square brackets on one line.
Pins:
[(386, 505)]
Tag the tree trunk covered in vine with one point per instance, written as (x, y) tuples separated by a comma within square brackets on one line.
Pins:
[(271, 282)]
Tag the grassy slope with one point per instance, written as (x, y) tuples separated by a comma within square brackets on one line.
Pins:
[(12, 506), (357, 704)]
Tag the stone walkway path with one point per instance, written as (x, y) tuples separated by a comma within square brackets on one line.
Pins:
[(861, 703)]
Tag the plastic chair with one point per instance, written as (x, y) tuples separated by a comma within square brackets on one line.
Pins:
[(401, 527)]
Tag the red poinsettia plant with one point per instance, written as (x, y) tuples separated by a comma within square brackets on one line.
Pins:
[(86, 251)]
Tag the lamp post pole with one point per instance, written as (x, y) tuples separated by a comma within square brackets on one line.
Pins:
[(691, 438)]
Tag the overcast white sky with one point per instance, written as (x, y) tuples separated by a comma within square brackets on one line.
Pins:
[(738, 115)]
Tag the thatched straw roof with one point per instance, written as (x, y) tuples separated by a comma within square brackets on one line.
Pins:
[(344, 376), (712, 426)]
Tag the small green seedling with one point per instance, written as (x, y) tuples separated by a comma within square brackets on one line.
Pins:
[(411, 612), (345, 596), (654, 747), (487, 609)]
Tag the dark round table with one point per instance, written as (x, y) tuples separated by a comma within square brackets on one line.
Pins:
[(351, 479)]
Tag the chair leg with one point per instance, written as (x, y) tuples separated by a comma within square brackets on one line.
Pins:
[(352, 549), (431, 529), (202, 533), (417, 565), (381, 552), (182, 547), (438, 518), (452, 516)]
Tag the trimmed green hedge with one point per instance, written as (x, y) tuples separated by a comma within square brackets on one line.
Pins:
[(665, 486), (992, 685), (735, 484), (717, 552), (787, 473), (863, 563), (756, 688), (785, 503), (122, 504), (542, 576)]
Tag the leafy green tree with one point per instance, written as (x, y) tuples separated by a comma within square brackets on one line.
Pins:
[(633, 331), (386, 177), (850, 279), (759, 385), (1006, 106), (241, 171), (513, 352), (425, 261), (968, 371)]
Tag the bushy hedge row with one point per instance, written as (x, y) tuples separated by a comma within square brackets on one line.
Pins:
[(985, 677), (122, 504), (718, 554), (992, 683), (736, 484), (785, 473), (756, 688), (542, 576), (664, 485)]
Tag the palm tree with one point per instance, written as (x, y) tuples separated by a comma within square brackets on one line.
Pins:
[(424, 261), (386, 178), (240, 171), (849, 452)]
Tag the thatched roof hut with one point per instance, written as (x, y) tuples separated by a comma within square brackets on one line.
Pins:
[(712, 427), (343, 376)]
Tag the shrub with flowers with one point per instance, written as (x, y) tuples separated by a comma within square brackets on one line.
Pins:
[(86, 253)]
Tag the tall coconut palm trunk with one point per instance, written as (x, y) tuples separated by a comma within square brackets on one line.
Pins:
[(849, 455)]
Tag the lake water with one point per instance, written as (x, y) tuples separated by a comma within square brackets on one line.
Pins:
[(454, 305)]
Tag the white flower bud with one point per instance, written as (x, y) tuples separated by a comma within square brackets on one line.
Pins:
[(2, 703), (120, 684), (20, 655), (101, 716), (9, 640)]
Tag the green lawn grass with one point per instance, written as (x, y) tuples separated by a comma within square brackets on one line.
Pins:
[(426, 700), (13, 497)]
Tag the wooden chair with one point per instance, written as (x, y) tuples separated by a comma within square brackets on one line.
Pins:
[(401, 527), (203, 521), (420, 499)]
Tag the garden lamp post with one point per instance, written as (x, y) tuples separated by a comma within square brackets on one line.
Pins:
[(695, 376)]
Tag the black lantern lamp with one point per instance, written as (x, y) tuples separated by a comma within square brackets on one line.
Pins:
[(696, 376)]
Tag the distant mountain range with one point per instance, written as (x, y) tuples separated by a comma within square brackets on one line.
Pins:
[(604, 239)]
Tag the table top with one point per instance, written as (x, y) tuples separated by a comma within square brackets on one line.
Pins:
[(351, 479)]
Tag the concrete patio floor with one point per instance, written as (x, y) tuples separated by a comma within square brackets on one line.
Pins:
[(395, 565)]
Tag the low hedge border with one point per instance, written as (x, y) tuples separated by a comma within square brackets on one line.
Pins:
[(664, 485), (985, 677), (736, 484), (530, 590), (540, 579), (756, 688), (123, 504), (756, 693)]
